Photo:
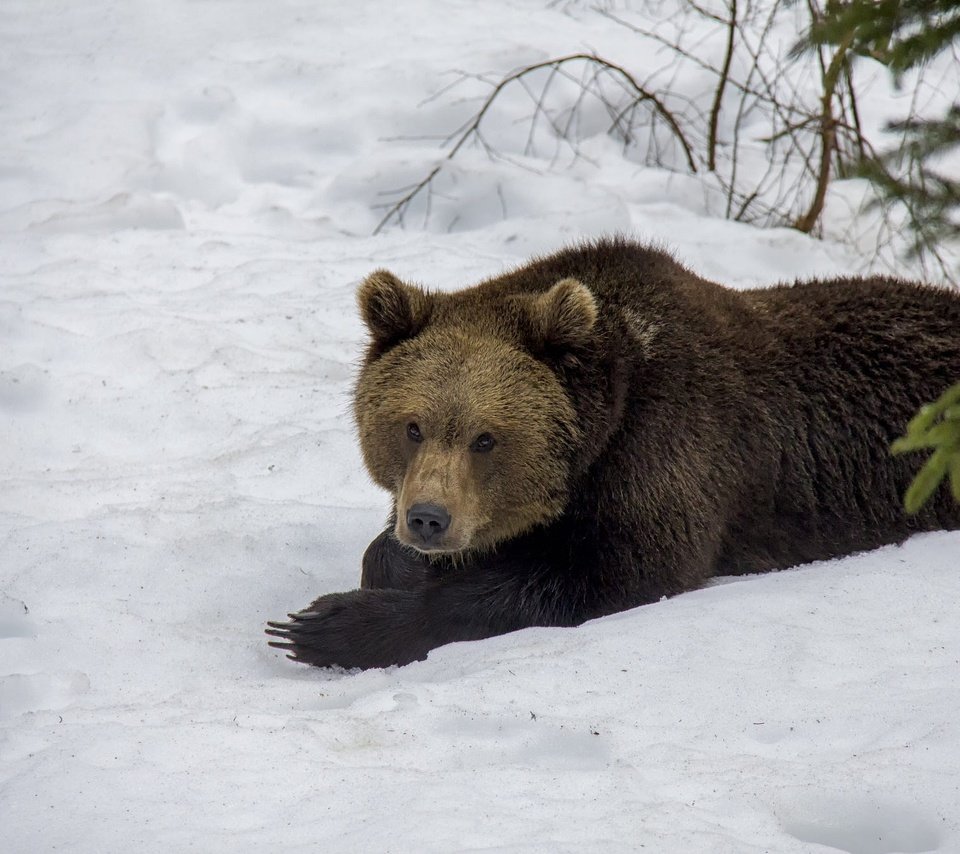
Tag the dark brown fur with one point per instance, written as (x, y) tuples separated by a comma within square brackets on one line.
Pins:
[(653, 430)]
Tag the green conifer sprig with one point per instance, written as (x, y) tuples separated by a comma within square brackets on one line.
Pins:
[(901, 34), (904, 34), (905, 175), (936, 427)]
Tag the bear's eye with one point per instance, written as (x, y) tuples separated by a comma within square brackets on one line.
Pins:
[(413, 433), (483, 443)]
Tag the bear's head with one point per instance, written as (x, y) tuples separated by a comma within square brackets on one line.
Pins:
[(464, 406)]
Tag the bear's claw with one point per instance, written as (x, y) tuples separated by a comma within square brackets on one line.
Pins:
[(286, 633), (360, 628), (282, 630)]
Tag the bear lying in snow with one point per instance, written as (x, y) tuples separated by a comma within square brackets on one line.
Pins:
[(602, 427)]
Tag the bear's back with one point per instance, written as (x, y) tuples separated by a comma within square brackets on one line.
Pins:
[(850, 362), (826, 374)]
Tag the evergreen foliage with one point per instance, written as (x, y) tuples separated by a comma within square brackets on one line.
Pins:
[(935, 427), (932, 199), (901, 34), (904, 34)]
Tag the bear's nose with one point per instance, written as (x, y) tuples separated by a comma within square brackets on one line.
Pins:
[(428, 521)]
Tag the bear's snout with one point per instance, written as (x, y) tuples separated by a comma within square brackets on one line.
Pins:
[(428, 522)]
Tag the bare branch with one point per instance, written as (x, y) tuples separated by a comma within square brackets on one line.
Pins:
[(731, 25), (470, 129)]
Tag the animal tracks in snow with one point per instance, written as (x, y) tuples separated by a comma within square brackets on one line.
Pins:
[(860, 824), (15, 619), (21, 692), (29, 692)]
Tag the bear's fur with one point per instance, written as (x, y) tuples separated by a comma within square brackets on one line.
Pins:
[(603, 427)]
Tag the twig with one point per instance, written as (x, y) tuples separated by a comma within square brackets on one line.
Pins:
[(471, 128), (721, 85), (828, 135)]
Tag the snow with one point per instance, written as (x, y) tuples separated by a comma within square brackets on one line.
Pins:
[(187, 195)]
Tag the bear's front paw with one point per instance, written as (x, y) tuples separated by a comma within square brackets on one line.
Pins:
[(362, 628)]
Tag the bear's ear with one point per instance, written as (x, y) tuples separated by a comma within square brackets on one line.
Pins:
[(564, 316), (391, 310)]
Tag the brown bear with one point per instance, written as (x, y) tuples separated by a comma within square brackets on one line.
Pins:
[(602, 427)]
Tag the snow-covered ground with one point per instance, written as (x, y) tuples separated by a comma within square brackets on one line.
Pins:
[(187, 196)]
